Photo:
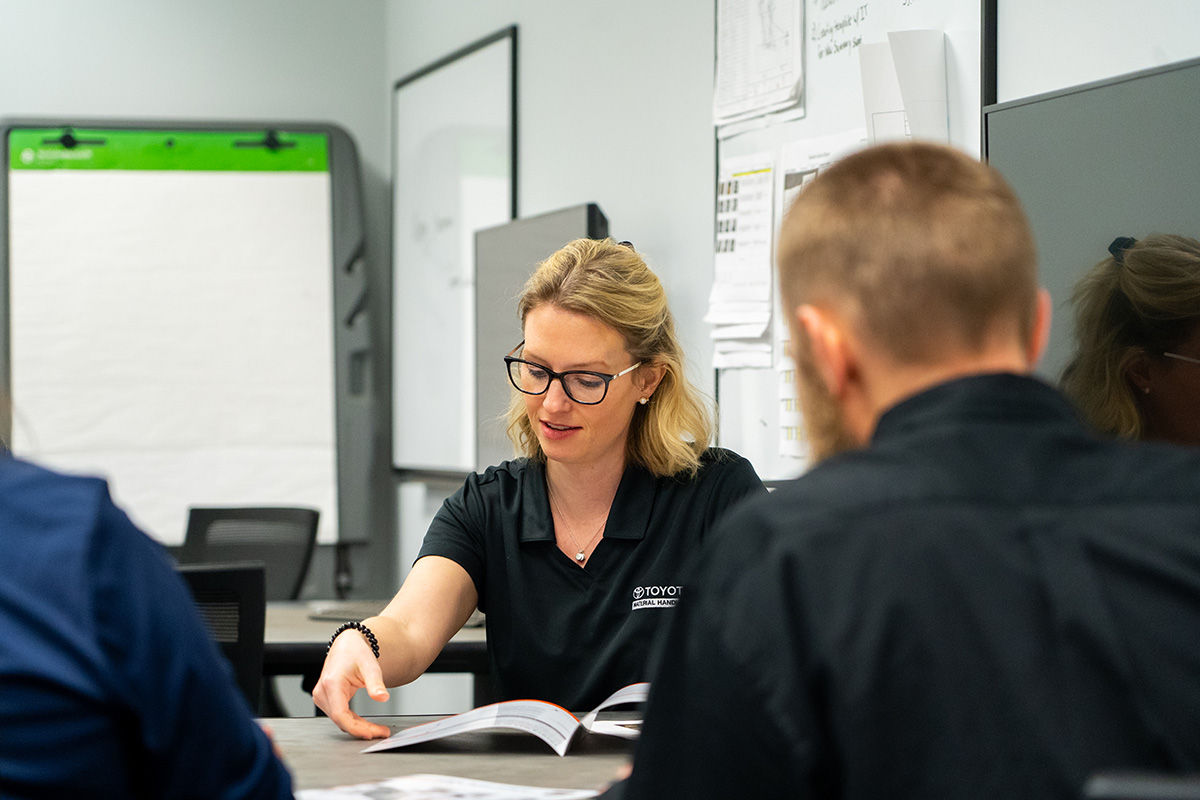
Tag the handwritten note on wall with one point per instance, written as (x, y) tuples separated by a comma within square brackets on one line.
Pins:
[(837, 27)]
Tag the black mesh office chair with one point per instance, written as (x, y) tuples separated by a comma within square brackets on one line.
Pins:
[(232, 603), (281, 538)]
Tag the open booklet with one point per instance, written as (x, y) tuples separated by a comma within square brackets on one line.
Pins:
[(553, 724), (428, 787)]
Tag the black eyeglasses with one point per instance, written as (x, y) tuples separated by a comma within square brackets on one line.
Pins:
[(581, 385)]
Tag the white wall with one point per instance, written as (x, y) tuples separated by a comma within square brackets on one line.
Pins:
[(220, 59), (614, 107)]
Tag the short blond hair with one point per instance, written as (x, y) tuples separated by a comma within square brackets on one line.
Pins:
[(611, 283), (924, 247), (1147, 302)]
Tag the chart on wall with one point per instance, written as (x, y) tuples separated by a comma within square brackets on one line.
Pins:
[(170, 316)]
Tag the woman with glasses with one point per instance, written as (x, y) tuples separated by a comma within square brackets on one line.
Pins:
[(1136, 370), (575, 549)]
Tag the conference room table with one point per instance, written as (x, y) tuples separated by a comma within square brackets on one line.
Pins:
[(320, 756), (295, 645)]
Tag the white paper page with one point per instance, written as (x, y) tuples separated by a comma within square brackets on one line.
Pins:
[(634, 693), (759, 63), (919, 58), (743, 248), (741, 292), (552, 724), (749, 330), (441, 787), (184, 370), (882, 102)]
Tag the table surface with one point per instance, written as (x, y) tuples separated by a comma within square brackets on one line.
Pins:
[(321, 756), (288, 622), (294, 644)]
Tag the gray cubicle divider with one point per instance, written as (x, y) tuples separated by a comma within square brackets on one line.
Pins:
[(147, 160), (1116, 157), (505, 256)]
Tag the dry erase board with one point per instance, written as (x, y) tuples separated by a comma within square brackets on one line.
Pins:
[(170, 311), (454, 172), (1043, 47)]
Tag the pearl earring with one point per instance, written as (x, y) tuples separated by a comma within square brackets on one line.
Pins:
[(1145, 390), (644, 400)]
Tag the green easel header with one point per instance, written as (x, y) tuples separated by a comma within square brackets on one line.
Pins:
[(203, 151)]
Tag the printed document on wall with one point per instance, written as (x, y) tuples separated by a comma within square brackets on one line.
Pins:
[(739, 305), (759, 58), (801, 161)]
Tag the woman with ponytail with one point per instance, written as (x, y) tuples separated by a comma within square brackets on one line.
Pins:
[(1136, 369)]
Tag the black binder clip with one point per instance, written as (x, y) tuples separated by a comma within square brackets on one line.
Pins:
[(70, 141), (270, 140)]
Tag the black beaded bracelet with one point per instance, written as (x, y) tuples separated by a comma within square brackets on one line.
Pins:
[(358, 626)]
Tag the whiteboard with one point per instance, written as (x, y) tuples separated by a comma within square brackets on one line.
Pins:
[(454, 173), (170, 316), (749, 399), (1047, 45)]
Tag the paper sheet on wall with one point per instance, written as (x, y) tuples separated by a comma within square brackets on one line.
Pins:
[(800, 163), (904, 86), (739, 305), (759, 58)]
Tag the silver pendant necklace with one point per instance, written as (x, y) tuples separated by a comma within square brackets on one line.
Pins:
[(581, 553)]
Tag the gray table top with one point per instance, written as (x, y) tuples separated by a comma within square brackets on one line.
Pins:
[(321, 756), (289, 622)]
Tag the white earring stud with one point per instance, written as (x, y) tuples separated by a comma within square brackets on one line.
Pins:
[(644, 400)]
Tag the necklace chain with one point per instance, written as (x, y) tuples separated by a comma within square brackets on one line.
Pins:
[(581, 553)]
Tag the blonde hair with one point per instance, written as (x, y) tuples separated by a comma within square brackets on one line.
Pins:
[(924, 247), (1146, 301), (610, 283)]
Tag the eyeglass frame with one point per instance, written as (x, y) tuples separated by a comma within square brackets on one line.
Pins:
[(509, 360), (1178, 357)]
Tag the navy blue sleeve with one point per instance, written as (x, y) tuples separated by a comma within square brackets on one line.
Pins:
[(193, 725)]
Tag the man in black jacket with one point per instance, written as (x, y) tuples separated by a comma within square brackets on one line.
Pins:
[(971, 595)]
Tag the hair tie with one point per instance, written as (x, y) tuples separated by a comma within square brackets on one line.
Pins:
[(1119, 246), (627, 244)]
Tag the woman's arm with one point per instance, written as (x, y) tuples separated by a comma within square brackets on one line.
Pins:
[(433, 603)]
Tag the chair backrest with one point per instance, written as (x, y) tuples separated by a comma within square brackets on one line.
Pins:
[(281, 538), (232, 604)]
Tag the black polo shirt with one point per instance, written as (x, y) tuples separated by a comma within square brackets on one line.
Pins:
[(568, 634), (989, 601)]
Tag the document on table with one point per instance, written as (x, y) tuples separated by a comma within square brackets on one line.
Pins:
[(441, 787)]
